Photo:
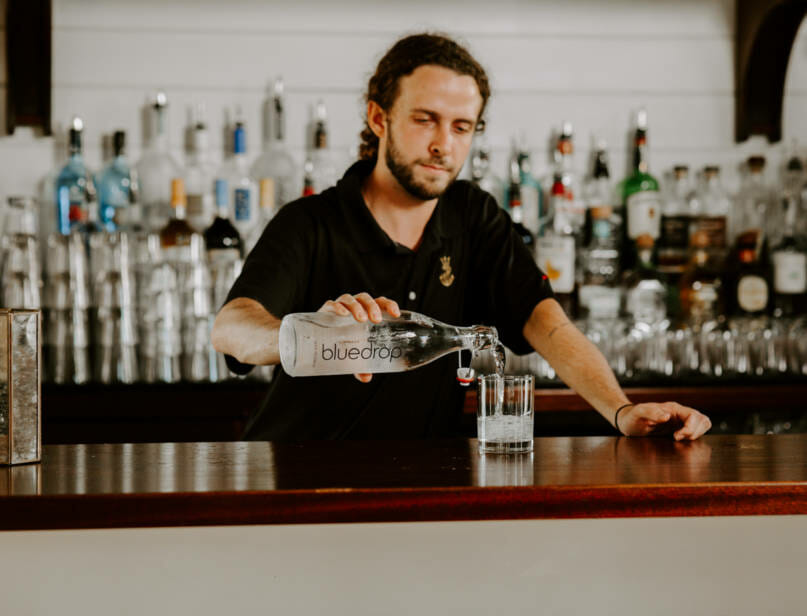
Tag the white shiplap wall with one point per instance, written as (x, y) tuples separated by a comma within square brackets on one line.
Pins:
[(589, 61)]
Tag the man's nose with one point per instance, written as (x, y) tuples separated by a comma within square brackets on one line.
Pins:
[(441, 142)]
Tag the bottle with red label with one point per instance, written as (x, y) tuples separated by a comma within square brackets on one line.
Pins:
[(74, 184)]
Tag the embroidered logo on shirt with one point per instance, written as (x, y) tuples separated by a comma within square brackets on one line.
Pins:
[(447, 276)]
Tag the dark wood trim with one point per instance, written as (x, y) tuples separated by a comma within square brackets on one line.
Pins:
[(28, 57), (766, 30)]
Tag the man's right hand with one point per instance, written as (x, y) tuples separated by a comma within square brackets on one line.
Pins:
[(363, 307)]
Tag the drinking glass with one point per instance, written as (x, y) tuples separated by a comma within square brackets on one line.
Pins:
[(505, 416)]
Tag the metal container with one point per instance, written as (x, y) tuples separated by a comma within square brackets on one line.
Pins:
[(20, 386)]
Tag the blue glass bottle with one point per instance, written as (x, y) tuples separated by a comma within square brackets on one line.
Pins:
[(72, 185), (114, 185)]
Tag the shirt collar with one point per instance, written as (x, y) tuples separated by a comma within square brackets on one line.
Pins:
[(368, 236)]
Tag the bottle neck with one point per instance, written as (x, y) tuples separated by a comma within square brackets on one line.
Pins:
[(179, 212), (640, 152), (478, 337)]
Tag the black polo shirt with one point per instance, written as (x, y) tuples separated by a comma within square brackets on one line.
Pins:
[(470, 268)]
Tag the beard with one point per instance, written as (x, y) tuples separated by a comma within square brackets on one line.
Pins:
[(405, 173)]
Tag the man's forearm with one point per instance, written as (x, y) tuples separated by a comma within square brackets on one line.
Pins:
[(247, 331), (577, 361)]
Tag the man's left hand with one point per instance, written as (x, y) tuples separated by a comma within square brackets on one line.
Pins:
[(650, 418)]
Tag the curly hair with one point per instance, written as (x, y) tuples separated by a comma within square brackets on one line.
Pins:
[(401, 60)]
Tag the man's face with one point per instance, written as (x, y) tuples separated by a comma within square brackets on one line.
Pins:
[(430, 128)]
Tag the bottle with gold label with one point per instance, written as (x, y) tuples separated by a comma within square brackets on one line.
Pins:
[(749, 273)]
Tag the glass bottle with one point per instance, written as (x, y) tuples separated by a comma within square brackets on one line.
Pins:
[(222, 240), (242, 188), (789, 258), (555, 250), (598, 192), (199, 174), (73, 184), (156, 168), (323, 343), (701, 285), (677, 212), (640, 194), (275, 162), (599, 290), (114, 187), (567, 207), (645, 287), (750, 274), (716, 207), (531, 194), (481, 173), (175, 237), (516, 208), (754, 205), (323, 171)]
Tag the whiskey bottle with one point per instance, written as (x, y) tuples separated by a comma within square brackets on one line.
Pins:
[(789, 267), (175, 236)]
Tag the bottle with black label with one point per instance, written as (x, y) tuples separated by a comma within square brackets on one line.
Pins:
[(716, 207), (676, 216), (789, 258), (750, 274)]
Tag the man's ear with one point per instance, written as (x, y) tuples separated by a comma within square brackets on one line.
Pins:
[(376, 119)]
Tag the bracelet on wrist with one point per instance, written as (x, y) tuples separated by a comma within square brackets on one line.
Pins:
[(616, 415)]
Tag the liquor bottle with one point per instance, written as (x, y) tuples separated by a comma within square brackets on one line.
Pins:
[(323, 343), (792, 181), (322, 172), (679, 207), (750, 274), (199, 174), (308, 177), (598, 192), (567, 207), (555, 249), (600, 294), (754, 204), (242, 188), (73, 184), (645, 288), (516, 207), (532, 195), (716, 207), (266, 211), (481, 173), (789, 258), (175, 237), (114, 183), (156, 168), (222, 240), (640, 194), (701, 285), (275, 162)]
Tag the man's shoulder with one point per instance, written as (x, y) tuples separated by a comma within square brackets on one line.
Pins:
[(470, 203), (308, 209)]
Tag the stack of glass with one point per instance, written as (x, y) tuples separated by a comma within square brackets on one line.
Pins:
[(67, 305), (196, 288), (115, 314), (20, 256)]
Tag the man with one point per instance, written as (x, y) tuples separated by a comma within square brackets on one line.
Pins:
[(399, 232)]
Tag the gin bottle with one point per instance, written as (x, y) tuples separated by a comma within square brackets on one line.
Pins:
[(114, 187), (645, 288), (199, 174), (156, 168), (275, 162), (323, 343), (243, 191), (73, 184)]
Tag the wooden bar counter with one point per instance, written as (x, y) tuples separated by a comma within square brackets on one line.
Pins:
[(235, 483)]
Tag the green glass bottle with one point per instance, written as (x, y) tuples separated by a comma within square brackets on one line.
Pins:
[(641, 196)]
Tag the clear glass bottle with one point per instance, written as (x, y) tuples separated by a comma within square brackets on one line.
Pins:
[(645, 286), (199, 173), (599, 289), (73, 184), (789, 258), (156, 168), (716, 208), (323, 170), (114, 186), (276, 162), (556, 251), (598, 192), (754, 204), (243, 191), (481, 173), (567, 207), (532, 195), (640, 194), (323, 343), (175, 237)]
